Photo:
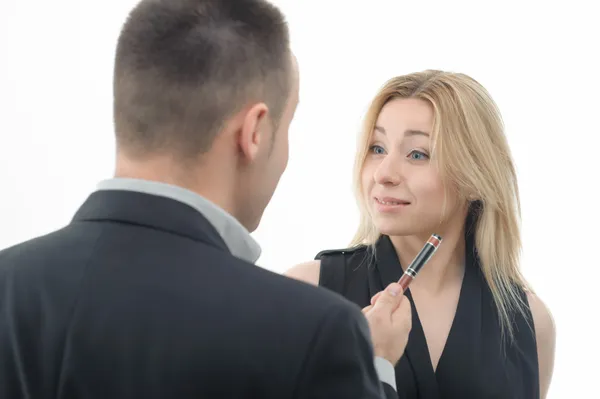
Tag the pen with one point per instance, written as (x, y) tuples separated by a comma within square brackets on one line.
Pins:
[(422, 257)]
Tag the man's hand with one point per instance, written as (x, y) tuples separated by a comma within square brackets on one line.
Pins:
[(390, 321)]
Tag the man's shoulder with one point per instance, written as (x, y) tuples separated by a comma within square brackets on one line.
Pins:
[(295, 294), (32, 248)]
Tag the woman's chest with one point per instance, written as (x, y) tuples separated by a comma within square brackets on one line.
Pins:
[(469, 371), (436, 313), (455, 348)]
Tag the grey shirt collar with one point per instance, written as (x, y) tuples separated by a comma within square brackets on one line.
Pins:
[(236, 237)]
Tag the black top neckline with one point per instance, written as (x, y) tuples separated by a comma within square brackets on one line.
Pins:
[(475, 362), (464, 332)]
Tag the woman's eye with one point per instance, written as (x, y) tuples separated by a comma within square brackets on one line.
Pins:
[(418, 155), (376, 149)]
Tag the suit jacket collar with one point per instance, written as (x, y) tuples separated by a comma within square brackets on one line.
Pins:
[(236, 237), (150, 211)]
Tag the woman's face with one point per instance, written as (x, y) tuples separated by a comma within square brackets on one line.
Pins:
[(402, 188)]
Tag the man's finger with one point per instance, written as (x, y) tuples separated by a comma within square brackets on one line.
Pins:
[(366, 309), (403, 314), (390, 298), (374, 299)]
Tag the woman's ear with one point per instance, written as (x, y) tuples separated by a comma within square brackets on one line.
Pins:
[(472, 198)]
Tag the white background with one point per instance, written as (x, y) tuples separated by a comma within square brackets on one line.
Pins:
[(539, 61)]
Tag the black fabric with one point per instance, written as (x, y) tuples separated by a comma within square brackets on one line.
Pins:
[(139, 297), (475, 362)]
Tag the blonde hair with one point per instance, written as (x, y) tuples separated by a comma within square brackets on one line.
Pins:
[(471, 152)]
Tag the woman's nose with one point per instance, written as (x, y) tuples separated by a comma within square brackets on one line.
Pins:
[(388, 172)]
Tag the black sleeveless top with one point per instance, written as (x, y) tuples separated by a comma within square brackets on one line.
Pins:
[(474, 363)]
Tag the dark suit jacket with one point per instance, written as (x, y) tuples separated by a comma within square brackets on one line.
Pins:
[(139, 297)]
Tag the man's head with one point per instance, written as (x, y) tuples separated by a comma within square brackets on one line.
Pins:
[(206, 86)]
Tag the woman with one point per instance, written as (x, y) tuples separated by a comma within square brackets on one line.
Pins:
[(433, 158)]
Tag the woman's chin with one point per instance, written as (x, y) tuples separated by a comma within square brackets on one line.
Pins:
[(390, 229), (401, 229)]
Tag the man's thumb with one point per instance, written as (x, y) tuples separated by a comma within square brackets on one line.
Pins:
[(391, 295)]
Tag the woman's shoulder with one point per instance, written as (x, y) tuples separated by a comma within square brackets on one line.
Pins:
[(306, 271), (310, 271), (344, 252), (545, 336)]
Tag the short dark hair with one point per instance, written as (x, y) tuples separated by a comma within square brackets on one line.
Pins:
[(183, 67)]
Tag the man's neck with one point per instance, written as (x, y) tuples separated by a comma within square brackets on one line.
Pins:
[(199, 179)]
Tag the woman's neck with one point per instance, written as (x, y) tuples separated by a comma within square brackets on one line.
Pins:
[(446, 266)]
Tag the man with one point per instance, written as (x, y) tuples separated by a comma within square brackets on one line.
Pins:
[(151, 291)]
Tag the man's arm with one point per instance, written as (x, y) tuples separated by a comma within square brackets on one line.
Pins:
[(340, 362)]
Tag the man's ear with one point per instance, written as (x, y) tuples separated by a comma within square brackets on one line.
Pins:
[(252, 134)]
